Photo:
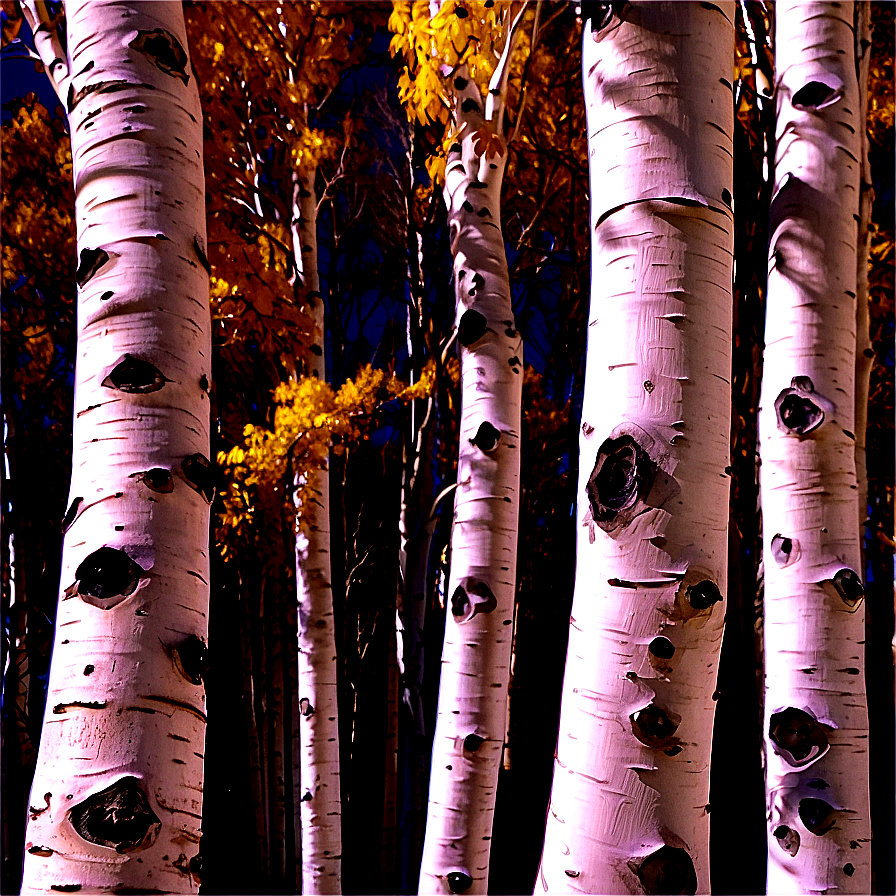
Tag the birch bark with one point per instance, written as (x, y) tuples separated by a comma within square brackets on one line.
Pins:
[(629, 803), (117, 797), (816, 724), (469, 731), (321, 800)]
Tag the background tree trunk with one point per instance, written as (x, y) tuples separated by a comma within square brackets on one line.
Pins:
[(816, 723), (321, 800), (469, 732), (117, 795), (629, 805)]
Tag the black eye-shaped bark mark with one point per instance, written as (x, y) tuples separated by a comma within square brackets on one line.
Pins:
[(467, 205), (89, 669), (818, 784), (668, 870), (472, 742), (71, 514), (43, 851), (203, 383), (199, 249), (484, 212), (191, 659), (798, 736), (305, 708), (119, 816), (105, 575), (817, 815), (469, 105), (486, 438), (164, 51), (848, 587), (570, 873), (134, 376), (785, 550), (471, 328), (75, 97), (653, 726), (456, 147), (815, 95), (788, 839), (849, 869), (471, 598), (662, 648), (623, 475), (797, 407), (703, 595), (726, 197), (200, 476), (459, 881), (157, 479), (90, 262)]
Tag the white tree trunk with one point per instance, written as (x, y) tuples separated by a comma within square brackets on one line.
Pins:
[(816, 724), (476, 655), (117, 797), (629, 804), (321, 801)]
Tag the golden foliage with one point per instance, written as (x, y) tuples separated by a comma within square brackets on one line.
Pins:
[(38, 241), (464, 34), (310, 418)]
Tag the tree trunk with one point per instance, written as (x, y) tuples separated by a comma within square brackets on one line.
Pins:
[(629, 804), (816, 724), (321, 801), (469, 731), (117, 796), (864, 351)]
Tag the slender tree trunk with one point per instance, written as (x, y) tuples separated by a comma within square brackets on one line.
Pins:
[(321, 800), (476, 656), (816, 723), (415, 540), (629, 804), (117, 796), (864, 351)]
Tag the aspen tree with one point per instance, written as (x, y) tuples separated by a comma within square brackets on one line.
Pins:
[(629, 803), (816, 723), (321, 806), (464, 37), (117, 796)]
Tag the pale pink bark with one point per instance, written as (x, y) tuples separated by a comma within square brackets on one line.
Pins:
[(321, 818), (816, 724), (476, 656), (117, 795), (628, 810)]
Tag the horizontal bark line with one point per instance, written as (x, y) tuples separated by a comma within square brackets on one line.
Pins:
[(681, 202)]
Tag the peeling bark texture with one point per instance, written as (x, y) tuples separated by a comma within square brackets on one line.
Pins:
[(321, 820), (478, 631), (628, 810), (816, 723), (117, 795)]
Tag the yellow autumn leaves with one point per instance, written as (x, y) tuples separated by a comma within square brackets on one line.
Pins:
[(309, 418), (460, 34)]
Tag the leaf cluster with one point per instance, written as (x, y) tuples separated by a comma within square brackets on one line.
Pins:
[(310, 418)]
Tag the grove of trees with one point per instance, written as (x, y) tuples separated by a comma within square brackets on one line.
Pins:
[(448, 446)]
